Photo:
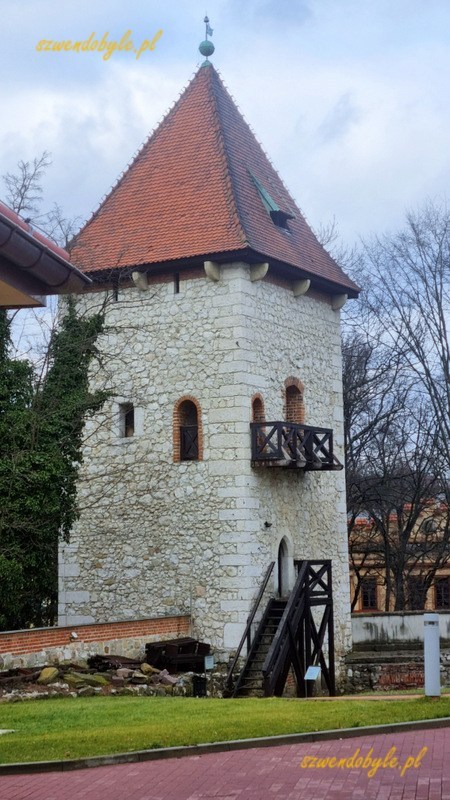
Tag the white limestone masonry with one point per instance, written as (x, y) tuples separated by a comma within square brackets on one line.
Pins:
[(158, 537)]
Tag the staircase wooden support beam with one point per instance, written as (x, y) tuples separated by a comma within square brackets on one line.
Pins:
[(298, 632), (296, 663), (289, 636)]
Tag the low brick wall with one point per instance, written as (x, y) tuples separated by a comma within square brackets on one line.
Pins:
[(390, 670), (35, 646)]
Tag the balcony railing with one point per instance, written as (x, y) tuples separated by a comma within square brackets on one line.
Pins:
[(285, 444)]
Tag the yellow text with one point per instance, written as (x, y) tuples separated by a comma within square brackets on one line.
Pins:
[(103, 45)]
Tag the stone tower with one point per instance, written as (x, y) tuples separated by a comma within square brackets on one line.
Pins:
[(222, 310)]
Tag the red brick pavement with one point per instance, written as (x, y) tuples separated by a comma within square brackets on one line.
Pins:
[(261, 774)]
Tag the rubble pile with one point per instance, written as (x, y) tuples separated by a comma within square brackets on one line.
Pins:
[(99, 675)]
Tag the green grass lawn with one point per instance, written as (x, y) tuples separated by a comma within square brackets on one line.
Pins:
[(74, 728)]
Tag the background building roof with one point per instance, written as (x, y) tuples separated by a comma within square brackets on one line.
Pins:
[(32, 266)]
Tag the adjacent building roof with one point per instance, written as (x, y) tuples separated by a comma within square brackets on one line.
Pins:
[(202, 187), (32, 266)]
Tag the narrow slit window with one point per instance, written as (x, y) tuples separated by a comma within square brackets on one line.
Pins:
[(127, 420), (188, 431), (176, 283)]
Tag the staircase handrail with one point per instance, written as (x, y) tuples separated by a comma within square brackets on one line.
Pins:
[(294, 609), (246, 636)]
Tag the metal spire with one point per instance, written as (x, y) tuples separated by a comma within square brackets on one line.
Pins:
[(206, 47)]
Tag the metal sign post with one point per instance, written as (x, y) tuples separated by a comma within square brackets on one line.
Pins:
[(432, 659), (209, 665)]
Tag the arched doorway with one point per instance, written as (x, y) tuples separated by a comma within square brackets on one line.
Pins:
[(283, 565)]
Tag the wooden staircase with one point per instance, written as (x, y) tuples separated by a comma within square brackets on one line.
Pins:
[(250, 680), (288, 635)]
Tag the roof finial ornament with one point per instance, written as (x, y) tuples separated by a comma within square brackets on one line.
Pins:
[(206, 47)]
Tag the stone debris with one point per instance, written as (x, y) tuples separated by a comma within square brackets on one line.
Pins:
[(122, 672), (168, 680), (48, 675), (86, 691), (138, 677), (100, 675), (147, 669), (69, 679)]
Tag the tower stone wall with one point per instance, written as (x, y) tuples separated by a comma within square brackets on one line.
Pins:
[(157, 536)]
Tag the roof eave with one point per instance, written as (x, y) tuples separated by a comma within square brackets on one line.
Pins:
[(26, 257), (288, 271)]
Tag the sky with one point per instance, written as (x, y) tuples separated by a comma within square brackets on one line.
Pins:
[(349, 98)]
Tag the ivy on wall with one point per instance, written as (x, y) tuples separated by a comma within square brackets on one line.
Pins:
[(41, 429)]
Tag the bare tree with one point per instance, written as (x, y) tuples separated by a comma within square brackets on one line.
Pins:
[(59, 228), (409, 277), (402, 476), (397, 405), (24, 191)]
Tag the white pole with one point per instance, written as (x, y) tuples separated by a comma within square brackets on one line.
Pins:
[(432, 655)]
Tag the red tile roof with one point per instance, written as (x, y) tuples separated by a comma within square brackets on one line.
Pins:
[(32, 263), (189, 193), (19, 222)]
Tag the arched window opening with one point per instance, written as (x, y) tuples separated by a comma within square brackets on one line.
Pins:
[(258, 410), (295, 409), (258, 415), (188, 425), (283, 568)]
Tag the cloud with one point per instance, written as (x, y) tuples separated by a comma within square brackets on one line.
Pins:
[(347, 98), (339, 119), (276, 12), (92, 132)]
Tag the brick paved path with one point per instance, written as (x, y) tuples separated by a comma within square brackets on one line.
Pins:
[(261, 774)]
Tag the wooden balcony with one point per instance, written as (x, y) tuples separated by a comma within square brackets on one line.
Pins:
[(285, 444)]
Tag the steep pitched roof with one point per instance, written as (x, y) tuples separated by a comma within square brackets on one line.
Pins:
[(202, 186)]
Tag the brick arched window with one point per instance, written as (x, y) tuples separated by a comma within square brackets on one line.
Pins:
[(258, 414), (294, 407), (187, 430)]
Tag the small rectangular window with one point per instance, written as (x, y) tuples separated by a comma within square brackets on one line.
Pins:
[(176, 283), (127, 420), (417, 591), (369, 594), (442, 587)]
